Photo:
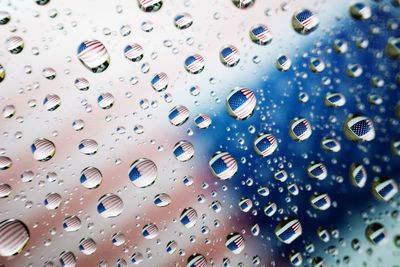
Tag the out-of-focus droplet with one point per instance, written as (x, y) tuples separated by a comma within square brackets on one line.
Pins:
[(384, 189), (376, 234), (42, 2), (5, 190), (243, 4), (14, 237), (150, 5), (2, 73), (360, 11), (5, 17), (5, 162), (15, 44), (183, 21)]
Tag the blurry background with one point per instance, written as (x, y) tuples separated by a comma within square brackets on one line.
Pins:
[(51, 35)]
